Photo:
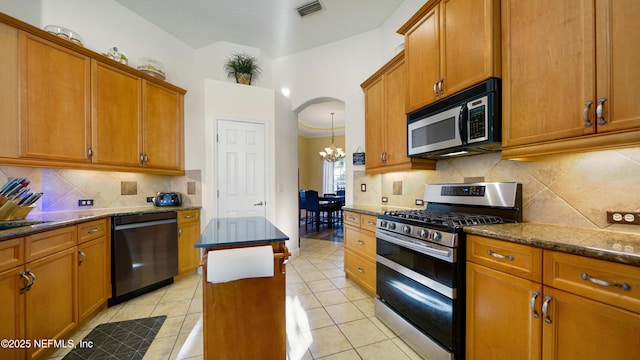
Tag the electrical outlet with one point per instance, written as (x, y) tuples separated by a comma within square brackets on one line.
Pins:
[(419, 202), (150, 199), (623, 217), (385, 199), (85, 202)]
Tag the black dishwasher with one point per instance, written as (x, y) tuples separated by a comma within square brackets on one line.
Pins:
[(144, 253)]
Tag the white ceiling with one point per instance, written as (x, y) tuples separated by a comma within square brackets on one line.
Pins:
[(275, 27)]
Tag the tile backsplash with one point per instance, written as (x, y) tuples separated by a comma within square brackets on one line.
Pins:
[(572, 189), (63, 188)]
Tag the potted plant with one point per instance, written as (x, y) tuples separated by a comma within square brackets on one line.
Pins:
[(242, 67)]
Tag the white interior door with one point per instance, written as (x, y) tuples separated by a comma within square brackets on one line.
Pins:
[(242, 177)]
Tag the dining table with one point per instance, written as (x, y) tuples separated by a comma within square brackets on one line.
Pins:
[(334, 202)]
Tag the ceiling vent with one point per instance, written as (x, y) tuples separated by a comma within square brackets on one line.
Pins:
[(309, 8)]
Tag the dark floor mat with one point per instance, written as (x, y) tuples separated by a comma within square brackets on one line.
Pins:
[(118, 340)]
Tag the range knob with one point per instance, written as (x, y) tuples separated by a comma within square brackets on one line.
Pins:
[(391, 226), (436, 236), (406, 229), (424, 233), (383, 223)]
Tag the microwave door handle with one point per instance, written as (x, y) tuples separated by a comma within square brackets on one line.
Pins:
[(463, 121)]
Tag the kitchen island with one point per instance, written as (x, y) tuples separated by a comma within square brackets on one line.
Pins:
[(243, 309)]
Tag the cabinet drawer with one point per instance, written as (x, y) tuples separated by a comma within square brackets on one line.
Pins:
[(352, 218), (92, 230), (600, 280), (368, 222), (360, 241), (50, 242), (11, 253), (516, 259), (185, 216), (360, 270)]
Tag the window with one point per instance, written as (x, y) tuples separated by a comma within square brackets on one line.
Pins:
[(334, 176)]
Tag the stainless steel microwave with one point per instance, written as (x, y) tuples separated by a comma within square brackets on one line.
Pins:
[(466, 123)]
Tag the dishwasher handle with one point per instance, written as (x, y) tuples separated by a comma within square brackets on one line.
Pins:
[(144, 224)]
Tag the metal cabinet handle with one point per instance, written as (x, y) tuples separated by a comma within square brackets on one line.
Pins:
[(80, 252), (259, 203), (179, 232), (500, 256), (440, 87), (146, 159), (352, 218), (585, 113), (188, 217), (27, 284), (624, 286), (33, 279), (89, 153), (435, 88), (371, 223), (532, 304), (141, 159), (601, 120), (360, 270), (360, 242), (93, 230), (545, 309)]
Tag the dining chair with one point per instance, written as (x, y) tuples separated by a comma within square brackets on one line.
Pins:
[(314, 209), (302, 204)]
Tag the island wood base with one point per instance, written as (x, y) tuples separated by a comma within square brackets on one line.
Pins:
[(245, 319)]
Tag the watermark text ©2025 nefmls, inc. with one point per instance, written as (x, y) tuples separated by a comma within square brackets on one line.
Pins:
[(44, 344)]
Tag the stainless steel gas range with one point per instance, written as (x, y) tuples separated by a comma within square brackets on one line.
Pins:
[(420, 262)]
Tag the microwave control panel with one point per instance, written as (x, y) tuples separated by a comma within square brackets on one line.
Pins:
[(478, 120)]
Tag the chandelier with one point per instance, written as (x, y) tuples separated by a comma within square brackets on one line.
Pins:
[(332, 153)]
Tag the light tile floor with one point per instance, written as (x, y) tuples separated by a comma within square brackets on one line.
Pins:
[(328, 316)]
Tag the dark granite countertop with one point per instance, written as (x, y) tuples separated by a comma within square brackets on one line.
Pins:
[(54, 220), (224, 232), (596, 243)]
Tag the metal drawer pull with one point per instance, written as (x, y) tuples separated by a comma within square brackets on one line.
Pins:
[(623, 286), (26, 285), (95, 229), (188, 217), (532, 304), (33, 279), (352, 218), (500, 256), (585, 113), (601, 120), (360, 270), (83, 256), (545, 309), (371, 223), (360, 242)]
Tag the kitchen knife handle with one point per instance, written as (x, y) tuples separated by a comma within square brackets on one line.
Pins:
[(585, 113)]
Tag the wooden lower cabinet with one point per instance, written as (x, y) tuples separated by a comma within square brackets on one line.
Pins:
[(360, 250), (562, 316), (94, 276), (12, 311), (188, 233), (51, 306)]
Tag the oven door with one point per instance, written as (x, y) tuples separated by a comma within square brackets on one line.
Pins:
[(434, 132), (420, 288)]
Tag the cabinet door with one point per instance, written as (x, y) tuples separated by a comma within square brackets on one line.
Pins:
[(94, 276), (116, 116), (549, 69), (617, 39), (9, 136), (374, 123), (51, 305), (162, 126), (188, 256), (54, 101), (422, 56), (584, 329), (12, 311), (396, 120), (500, 321), (470, 43)]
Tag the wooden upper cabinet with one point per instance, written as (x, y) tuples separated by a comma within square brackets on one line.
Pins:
[(385, 121), (558, 76), (116, 115), (162, 129), (9, 136), (54, 100), (449, 46)]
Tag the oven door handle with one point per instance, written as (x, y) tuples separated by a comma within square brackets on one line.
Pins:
[(427, 250)]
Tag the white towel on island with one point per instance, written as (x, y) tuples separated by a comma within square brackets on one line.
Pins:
[(240, 263)]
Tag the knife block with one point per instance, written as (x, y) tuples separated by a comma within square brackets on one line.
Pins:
[(11, 211)]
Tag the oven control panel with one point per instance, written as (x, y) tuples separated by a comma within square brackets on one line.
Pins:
[(445, 238), (476, 190)]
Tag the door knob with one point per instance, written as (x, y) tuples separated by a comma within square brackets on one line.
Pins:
[(259, 204)]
